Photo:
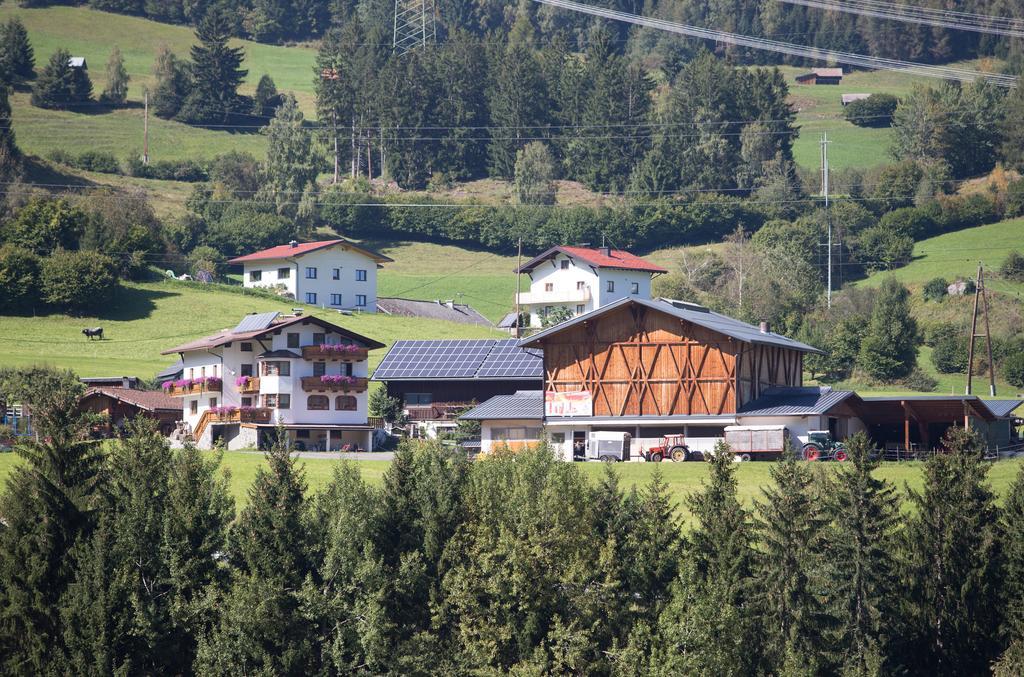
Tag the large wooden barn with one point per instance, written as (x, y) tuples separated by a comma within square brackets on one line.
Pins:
[(664, 359), (652, 368)]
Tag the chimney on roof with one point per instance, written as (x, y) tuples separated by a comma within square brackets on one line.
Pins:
[(606, 251), (450, 304), (765, 327), (293, 244)]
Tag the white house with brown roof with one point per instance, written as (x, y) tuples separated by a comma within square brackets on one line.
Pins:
[(582, 279), (330, 273), (304, 373)]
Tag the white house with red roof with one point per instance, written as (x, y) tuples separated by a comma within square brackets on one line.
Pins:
[(582, 279), (330, 273)]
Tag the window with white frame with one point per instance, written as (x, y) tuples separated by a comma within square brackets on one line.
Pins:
[(310, 273), (335, 299), (284, 273), (336, 273), (634, 288), (515, 434), (311, 298), (360, 275), (277, 401), (255, 275)]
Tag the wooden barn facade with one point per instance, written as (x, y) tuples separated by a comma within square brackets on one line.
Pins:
[(661, 359)]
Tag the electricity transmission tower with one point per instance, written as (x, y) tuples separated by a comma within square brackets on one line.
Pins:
[(979, 294), (414, 25)]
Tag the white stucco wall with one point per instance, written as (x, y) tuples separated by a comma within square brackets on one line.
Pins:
[(487, 430), (564, 283), (347, 261), (226, 362)]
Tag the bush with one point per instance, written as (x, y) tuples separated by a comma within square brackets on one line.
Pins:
[(1013, 267), (1015, 198), (19, 279), (188, 171), (44, 224), (881, 248), (875, 111), (935, 289), (90, 161), (75, 282), (966, 212), (920, 381), (1013, 369), (949, 352), (242, 229), (910, 221)]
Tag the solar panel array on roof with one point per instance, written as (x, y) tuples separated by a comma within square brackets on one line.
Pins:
[(458, 359), (255, 322), (508, 360)]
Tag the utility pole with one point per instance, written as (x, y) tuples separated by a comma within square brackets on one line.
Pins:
[(337, 160), (353, 171), (145, 129), (519, 277), (979, 292), (828, 214)]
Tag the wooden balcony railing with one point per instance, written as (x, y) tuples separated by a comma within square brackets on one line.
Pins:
[(240, 415), (439, 411), (312, 384), (341, 354), (249, 386), (194, 387)]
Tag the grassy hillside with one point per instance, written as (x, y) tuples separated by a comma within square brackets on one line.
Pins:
[(441, 272), (154, 316), (681, 478), (92, 34)]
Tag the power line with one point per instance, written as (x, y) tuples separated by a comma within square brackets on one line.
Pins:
[(942, 72), (963, 21)]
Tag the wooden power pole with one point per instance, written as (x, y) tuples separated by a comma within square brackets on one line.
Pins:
[(979, 293), (145, 130)]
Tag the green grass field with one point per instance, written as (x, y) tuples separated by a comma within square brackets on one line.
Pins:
[(92, 34), (682, 478), (432, 271), (153, 316)]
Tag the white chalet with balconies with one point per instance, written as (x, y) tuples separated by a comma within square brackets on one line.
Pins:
[(330, 273), (304, 373), (582, 279)]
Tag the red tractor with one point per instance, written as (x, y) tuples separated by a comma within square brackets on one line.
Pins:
[(672, 446)]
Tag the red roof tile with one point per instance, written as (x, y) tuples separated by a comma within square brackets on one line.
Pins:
[(615, 258), (283, 251)]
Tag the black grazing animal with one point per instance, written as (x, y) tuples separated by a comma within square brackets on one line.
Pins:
[(93, 331)]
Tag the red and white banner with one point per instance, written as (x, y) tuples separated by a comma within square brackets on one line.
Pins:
[(574, 403)]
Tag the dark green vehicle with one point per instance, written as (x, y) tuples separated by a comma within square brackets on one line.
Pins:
[(821, 447)]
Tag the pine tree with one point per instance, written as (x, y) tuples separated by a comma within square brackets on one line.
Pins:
[(262, 626), (17, 58), (889, 348), (954, 563), (793, 619), (48, 509), (117, 614), (59, 85), (862, 556), (293, 162), (10, 155), (116, 91), (517, 99), (706, 628), (216, 73), (197, 512), (266, 100), (172, 83), (1013, 539)]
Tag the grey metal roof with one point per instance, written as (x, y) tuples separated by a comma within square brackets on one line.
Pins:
[(795, 402), (1002, 408), (282, 354), (435, 310), (171, 371), (523, 404), (509, 321), (690, 312)]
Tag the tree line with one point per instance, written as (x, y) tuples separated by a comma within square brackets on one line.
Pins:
[(278, 21), (132, 558)]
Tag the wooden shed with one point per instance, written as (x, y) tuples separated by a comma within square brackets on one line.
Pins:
[(121, 405), (821, 76)]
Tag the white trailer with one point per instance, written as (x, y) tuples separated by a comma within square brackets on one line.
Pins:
[(760, 442)]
